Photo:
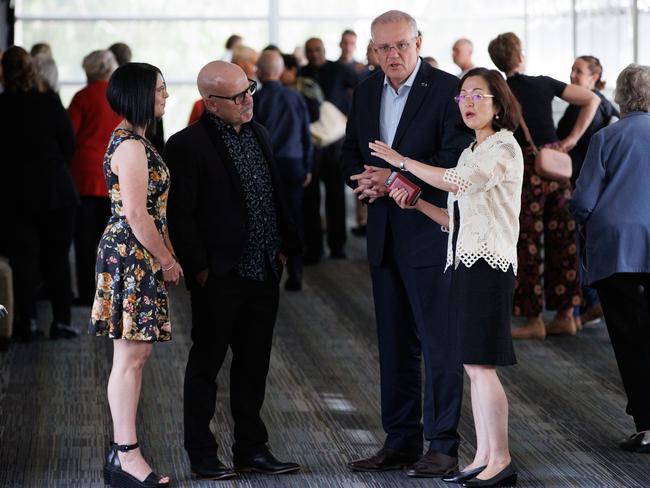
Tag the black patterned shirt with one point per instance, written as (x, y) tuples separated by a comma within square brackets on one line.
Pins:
[(263, 243)]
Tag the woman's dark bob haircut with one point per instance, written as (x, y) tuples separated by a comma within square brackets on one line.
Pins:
[(131, 93), (509, 110)]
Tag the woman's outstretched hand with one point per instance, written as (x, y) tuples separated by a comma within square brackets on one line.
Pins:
[(385, 152)]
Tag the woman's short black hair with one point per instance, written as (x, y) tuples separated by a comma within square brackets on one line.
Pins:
[(131, 93), (509, 109)]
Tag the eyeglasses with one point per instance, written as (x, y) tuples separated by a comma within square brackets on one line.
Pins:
[(400, 46), (240, 97), (475, 97), (161, 89)]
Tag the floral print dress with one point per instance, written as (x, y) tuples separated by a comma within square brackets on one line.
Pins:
[(131, 295)]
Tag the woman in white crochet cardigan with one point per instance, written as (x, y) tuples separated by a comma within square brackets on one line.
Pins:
[(482, 216)]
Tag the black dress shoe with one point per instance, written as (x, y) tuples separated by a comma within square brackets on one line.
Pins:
[(433, 465), (293, 284), (639, 442), (462, 476), (338, 254), (385, 459), (507, 477), (211, 469), (63, 331), (263, 462)]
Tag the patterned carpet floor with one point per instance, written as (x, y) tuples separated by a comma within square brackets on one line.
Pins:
[(322, 405)]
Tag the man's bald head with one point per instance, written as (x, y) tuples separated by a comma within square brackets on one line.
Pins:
[(270, 66), (219, 78), (218, 81)]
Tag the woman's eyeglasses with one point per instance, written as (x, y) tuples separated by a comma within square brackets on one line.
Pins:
[(475, 97), (240, 97)]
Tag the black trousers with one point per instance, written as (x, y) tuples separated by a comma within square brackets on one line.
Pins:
[(294, 192), (412, 314), (38, 248), (229, 312), (327, 168), (92, 217), (625, 298)]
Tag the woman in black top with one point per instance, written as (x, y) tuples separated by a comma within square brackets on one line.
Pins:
[(586, 72), (37, 196), (544, 208)]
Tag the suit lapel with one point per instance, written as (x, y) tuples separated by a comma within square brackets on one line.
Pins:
[(374, 107), (421, 86), (223, 155)]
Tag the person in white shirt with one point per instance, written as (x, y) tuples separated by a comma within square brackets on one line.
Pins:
[(482, 217), (461, 53)]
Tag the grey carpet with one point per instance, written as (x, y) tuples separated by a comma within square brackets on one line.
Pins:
[(322, 405)]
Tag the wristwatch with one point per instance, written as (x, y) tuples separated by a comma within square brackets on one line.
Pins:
[(402, 164)]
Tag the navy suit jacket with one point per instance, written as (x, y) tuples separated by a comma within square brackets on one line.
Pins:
[(284, 114), (429, 131)]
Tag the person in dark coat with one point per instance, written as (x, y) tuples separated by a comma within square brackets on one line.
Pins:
[(232, 231), (284, 113), (37, 196)]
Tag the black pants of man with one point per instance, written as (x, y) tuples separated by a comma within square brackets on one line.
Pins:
[(291, 172), (92, 217), (39, 247), (327, 168), (229, 311), (625, 298)]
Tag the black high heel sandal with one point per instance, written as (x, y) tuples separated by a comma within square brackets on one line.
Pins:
[(116, 477)]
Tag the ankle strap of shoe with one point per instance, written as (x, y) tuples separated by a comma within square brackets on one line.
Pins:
[(127, 447)]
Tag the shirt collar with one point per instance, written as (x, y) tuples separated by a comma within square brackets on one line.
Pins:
[(222, 125), (409, 80)]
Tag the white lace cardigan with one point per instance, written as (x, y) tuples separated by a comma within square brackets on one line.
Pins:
[(489, 181)]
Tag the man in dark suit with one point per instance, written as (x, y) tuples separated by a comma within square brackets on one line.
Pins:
[(231, 230), (337, 82), (410, 107), (284, 114)]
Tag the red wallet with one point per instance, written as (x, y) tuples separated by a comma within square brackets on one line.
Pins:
[(397, 180)]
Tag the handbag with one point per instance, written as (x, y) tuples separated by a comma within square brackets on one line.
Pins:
[(330, 127), (550, 163)]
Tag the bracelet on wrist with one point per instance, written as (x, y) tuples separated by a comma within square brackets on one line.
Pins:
[(170, 267)]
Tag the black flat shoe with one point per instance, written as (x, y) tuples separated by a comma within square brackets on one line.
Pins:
[(507, 477), (212, 469), (116, 477), (638, 442), (263, 462), (462, 476)]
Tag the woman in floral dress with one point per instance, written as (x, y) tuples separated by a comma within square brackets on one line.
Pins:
[(135, 262)]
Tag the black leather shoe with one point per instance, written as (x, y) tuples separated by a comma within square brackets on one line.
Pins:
[(212, 469), (63, 331), (462, 476), (385, 459), (433, 465), (293, 284), (639, 442), (263, 462), (507, 477)]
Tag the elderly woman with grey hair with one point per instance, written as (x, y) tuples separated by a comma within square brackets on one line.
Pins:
[(611, 205), (46, 72), (93, 122)]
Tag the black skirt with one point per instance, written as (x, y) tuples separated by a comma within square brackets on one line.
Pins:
[(482, 310), (482, 298)]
